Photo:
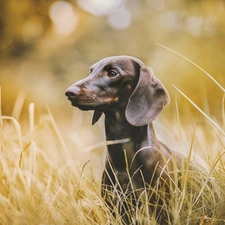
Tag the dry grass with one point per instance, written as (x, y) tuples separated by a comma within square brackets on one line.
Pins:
[(46, 178), (41, 182)]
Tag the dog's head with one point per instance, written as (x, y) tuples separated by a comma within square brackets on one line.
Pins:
[(124, 83)]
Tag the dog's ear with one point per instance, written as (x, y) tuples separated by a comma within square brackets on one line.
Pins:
[(96, 116), (147, 100)]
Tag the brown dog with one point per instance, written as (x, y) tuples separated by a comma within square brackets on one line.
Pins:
[(131, 97)]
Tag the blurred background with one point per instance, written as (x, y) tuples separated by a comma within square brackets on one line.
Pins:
[(45, 46)]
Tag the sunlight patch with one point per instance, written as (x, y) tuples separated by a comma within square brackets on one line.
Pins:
[(63, 17), (99, 7), (120, 19)]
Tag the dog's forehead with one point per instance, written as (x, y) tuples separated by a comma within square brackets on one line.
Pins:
[(123, 61)]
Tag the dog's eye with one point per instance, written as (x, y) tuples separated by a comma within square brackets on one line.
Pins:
[(112, 73)]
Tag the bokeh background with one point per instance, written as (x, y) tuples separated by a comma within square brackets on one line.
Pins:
[(51, 157), (45, 46)]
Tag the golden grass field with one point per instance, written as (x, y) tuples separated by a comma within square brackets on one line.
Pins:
[(51, 173)]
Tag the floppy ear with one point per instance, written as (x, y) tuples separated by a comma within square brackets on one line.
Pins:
[(147, 100), (96, 116)]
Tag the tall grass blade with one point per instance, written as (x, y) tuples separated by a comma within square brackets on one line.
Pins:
[(17, 127), (223, 111), (32, 157), (179, 123), (31, 117), (55, 128), (188, 163), (0, 106), (17, 108), (203, 113), (210, 76)]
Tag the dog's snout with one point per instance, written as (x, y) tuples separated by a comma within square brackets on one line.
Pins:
[(71, 92)]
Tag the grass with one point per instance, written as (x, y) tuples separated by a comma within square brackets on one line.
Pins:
[(40, 181), (46, 178)]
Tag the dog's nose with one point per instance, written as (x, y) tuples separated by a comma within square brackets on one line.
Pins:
[(71, 92)]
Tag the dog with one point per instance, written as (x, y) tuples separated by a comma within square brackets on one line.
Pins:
[(131, 97)]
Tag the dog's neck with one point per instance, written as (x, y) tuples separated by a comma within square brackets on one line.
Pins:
[(122, 136)]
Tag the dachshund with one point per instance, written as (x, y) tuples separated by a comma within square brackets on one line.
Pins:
[(131, 97)]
